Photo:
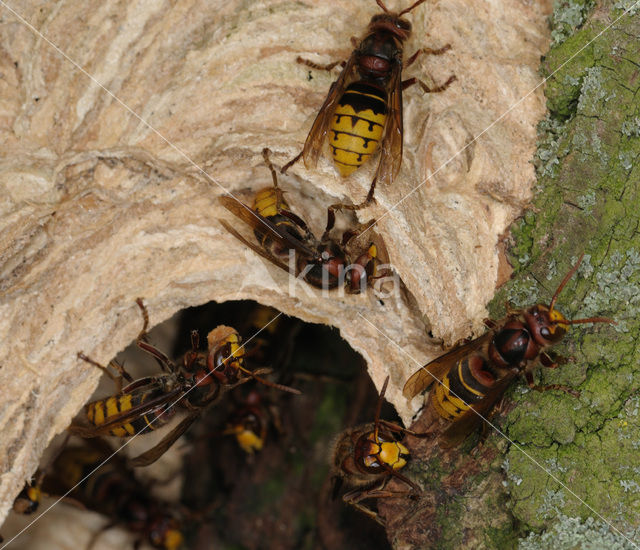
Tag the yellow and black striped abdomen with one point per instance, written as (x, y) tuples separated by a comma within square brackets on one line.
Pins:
[(465, 384), (102, 411), (69, 469), (265, 202), (75, 470), (285, 226), (357, 125)]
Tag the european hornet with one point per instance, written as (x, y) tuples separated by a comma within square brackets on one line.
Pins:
[(367, 457), (363, 110), (114, 491), (473, 377), (28, 500), (248, 423), (150, 402), (322, 263), (274, 335)]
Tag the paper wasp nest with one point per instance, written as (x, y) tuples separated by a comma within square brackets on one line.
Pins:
[(108, 197)]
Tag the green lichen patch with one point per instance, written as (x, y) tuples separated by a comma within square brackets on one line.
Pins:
[(542, 419), (596, 473), (565, 67), (631, 127), (574, 460)]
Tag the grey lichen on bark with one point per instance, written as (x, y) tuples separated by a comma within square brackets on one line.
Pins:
[(107, 199), (588, 168)]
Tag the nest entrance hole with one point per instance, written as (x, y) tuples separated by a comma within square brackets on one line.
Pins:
[(282, 493)]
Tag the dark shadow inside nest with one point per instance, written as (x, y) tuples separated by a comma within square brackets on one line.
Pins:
[(281, 495)]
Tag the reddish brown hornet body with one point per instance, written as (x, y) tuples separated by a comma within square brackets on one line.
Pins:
[(191, 387), (471, 378), (367, 457), (363, 110), (324, 263)]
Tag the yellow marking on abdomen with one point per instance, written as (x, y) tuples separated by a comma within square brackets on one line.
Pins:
[(445, 403), (116, 405), (265, 202), (113, 407), (249, 441), (354, 137), (34, 494), (95, 413)]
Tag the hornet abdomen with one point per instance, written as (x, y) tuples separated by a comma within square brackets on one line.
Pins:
[(99, 412), (357, 125), (462, 386)]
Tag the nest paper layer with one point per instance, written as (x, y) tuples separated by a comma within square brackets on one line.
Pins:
[(108, 195)]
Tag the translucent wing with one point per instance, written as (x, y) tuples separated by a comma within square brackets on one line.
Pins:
[(153, 454), (262, 224), (473, 418), (318, 133), (425, 376), (257, 249), (391, 143), (127, 416)]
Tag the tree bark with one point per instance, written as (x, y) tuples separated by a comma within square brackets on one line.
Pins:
[(564, 474)]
